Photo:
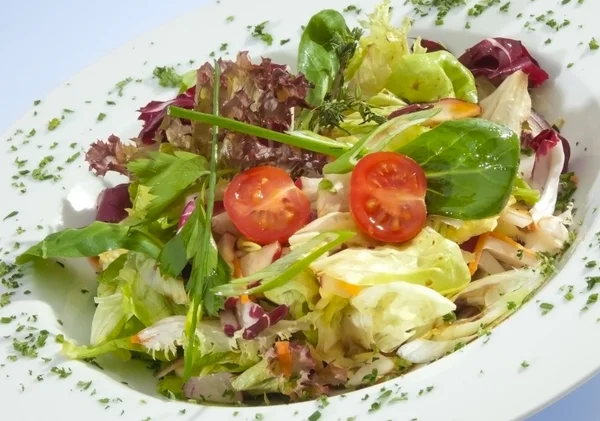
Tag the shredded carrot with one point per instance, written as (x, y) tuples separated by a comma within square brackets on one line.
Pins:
[(237, 268), (477, 252), (95, 262), (135, 339), (531, 227), (285, 357), (508, 240), (350, 288), (244, 299)]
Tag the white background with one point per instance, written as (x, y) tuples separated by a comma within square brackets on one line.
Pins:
[(43, 43)]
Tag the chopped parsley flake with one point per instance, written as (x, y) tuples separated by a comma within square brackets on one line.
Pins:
[(10, 215), (352, 8), (478, 9), (591, 264), (524, 364), (594, 44), (569, 294), (36, 102), (121, 85), (284, 41), (314, 416), (592, 299), (592, 281), (546, 307), (511, 305), (61, 372), (73, 157), (259, 32), (505, 7), (53, 124), (5, 298), (570, 65), (230, 18), (450, 317), (111, 103), (223, 46), (167, 76), (100, 117), (25, 348), (6, 320)]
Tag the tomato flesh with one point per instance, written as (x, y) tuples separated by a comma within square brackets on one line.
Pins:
[(387, 196), (265, 205)]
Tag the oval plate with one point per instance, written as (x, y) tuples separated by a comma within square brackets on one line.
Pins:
[(526, 363)]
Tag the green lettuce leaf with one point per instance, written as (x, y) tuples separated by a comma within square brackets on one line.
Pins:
[(385, 316), (109, 318), (300, 294), (257, 378), (430, 77), (428, 259), (327, 318), (460, 231), (378, 52)]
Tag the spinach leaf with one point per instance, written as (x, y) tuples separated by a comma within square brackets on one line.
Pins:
[(92, 240), (377, 140), (317, 56), (471, 166)]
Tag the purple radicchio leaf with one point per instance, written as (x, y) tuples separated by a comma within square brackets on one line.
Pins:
[(213, 388), (112, 203), (498, 58), (155, 111)]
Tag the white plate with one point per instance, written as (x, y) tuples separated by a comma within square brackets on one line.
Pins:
[(482, 381)]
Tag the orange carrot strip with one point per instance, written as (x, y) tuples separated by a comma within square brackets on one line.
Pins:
[(285, 357), (244, 299), (237, 268), (508, 240), (477, 252)]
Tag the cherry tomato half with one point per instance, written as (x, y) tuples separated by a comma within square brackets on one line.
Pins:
[(387, 196), (265, 205)]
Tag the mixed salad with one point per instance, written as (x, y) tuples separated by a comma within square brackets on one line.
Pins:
[(294, 235)]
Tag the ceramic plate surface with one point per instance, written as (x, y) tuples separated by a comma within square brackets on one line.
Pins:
[(484, 380)]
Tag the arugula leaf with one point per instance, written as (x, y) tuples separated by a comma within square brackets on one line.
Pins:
[(92, 240), (290, 265), (179, 249), (205, 265), (317, 55), (167, 177), (377, 140), (471, 166)]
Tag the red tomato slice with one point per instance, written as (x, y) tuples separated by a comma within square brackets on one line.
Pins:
[(265, 205), (387, 196)]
